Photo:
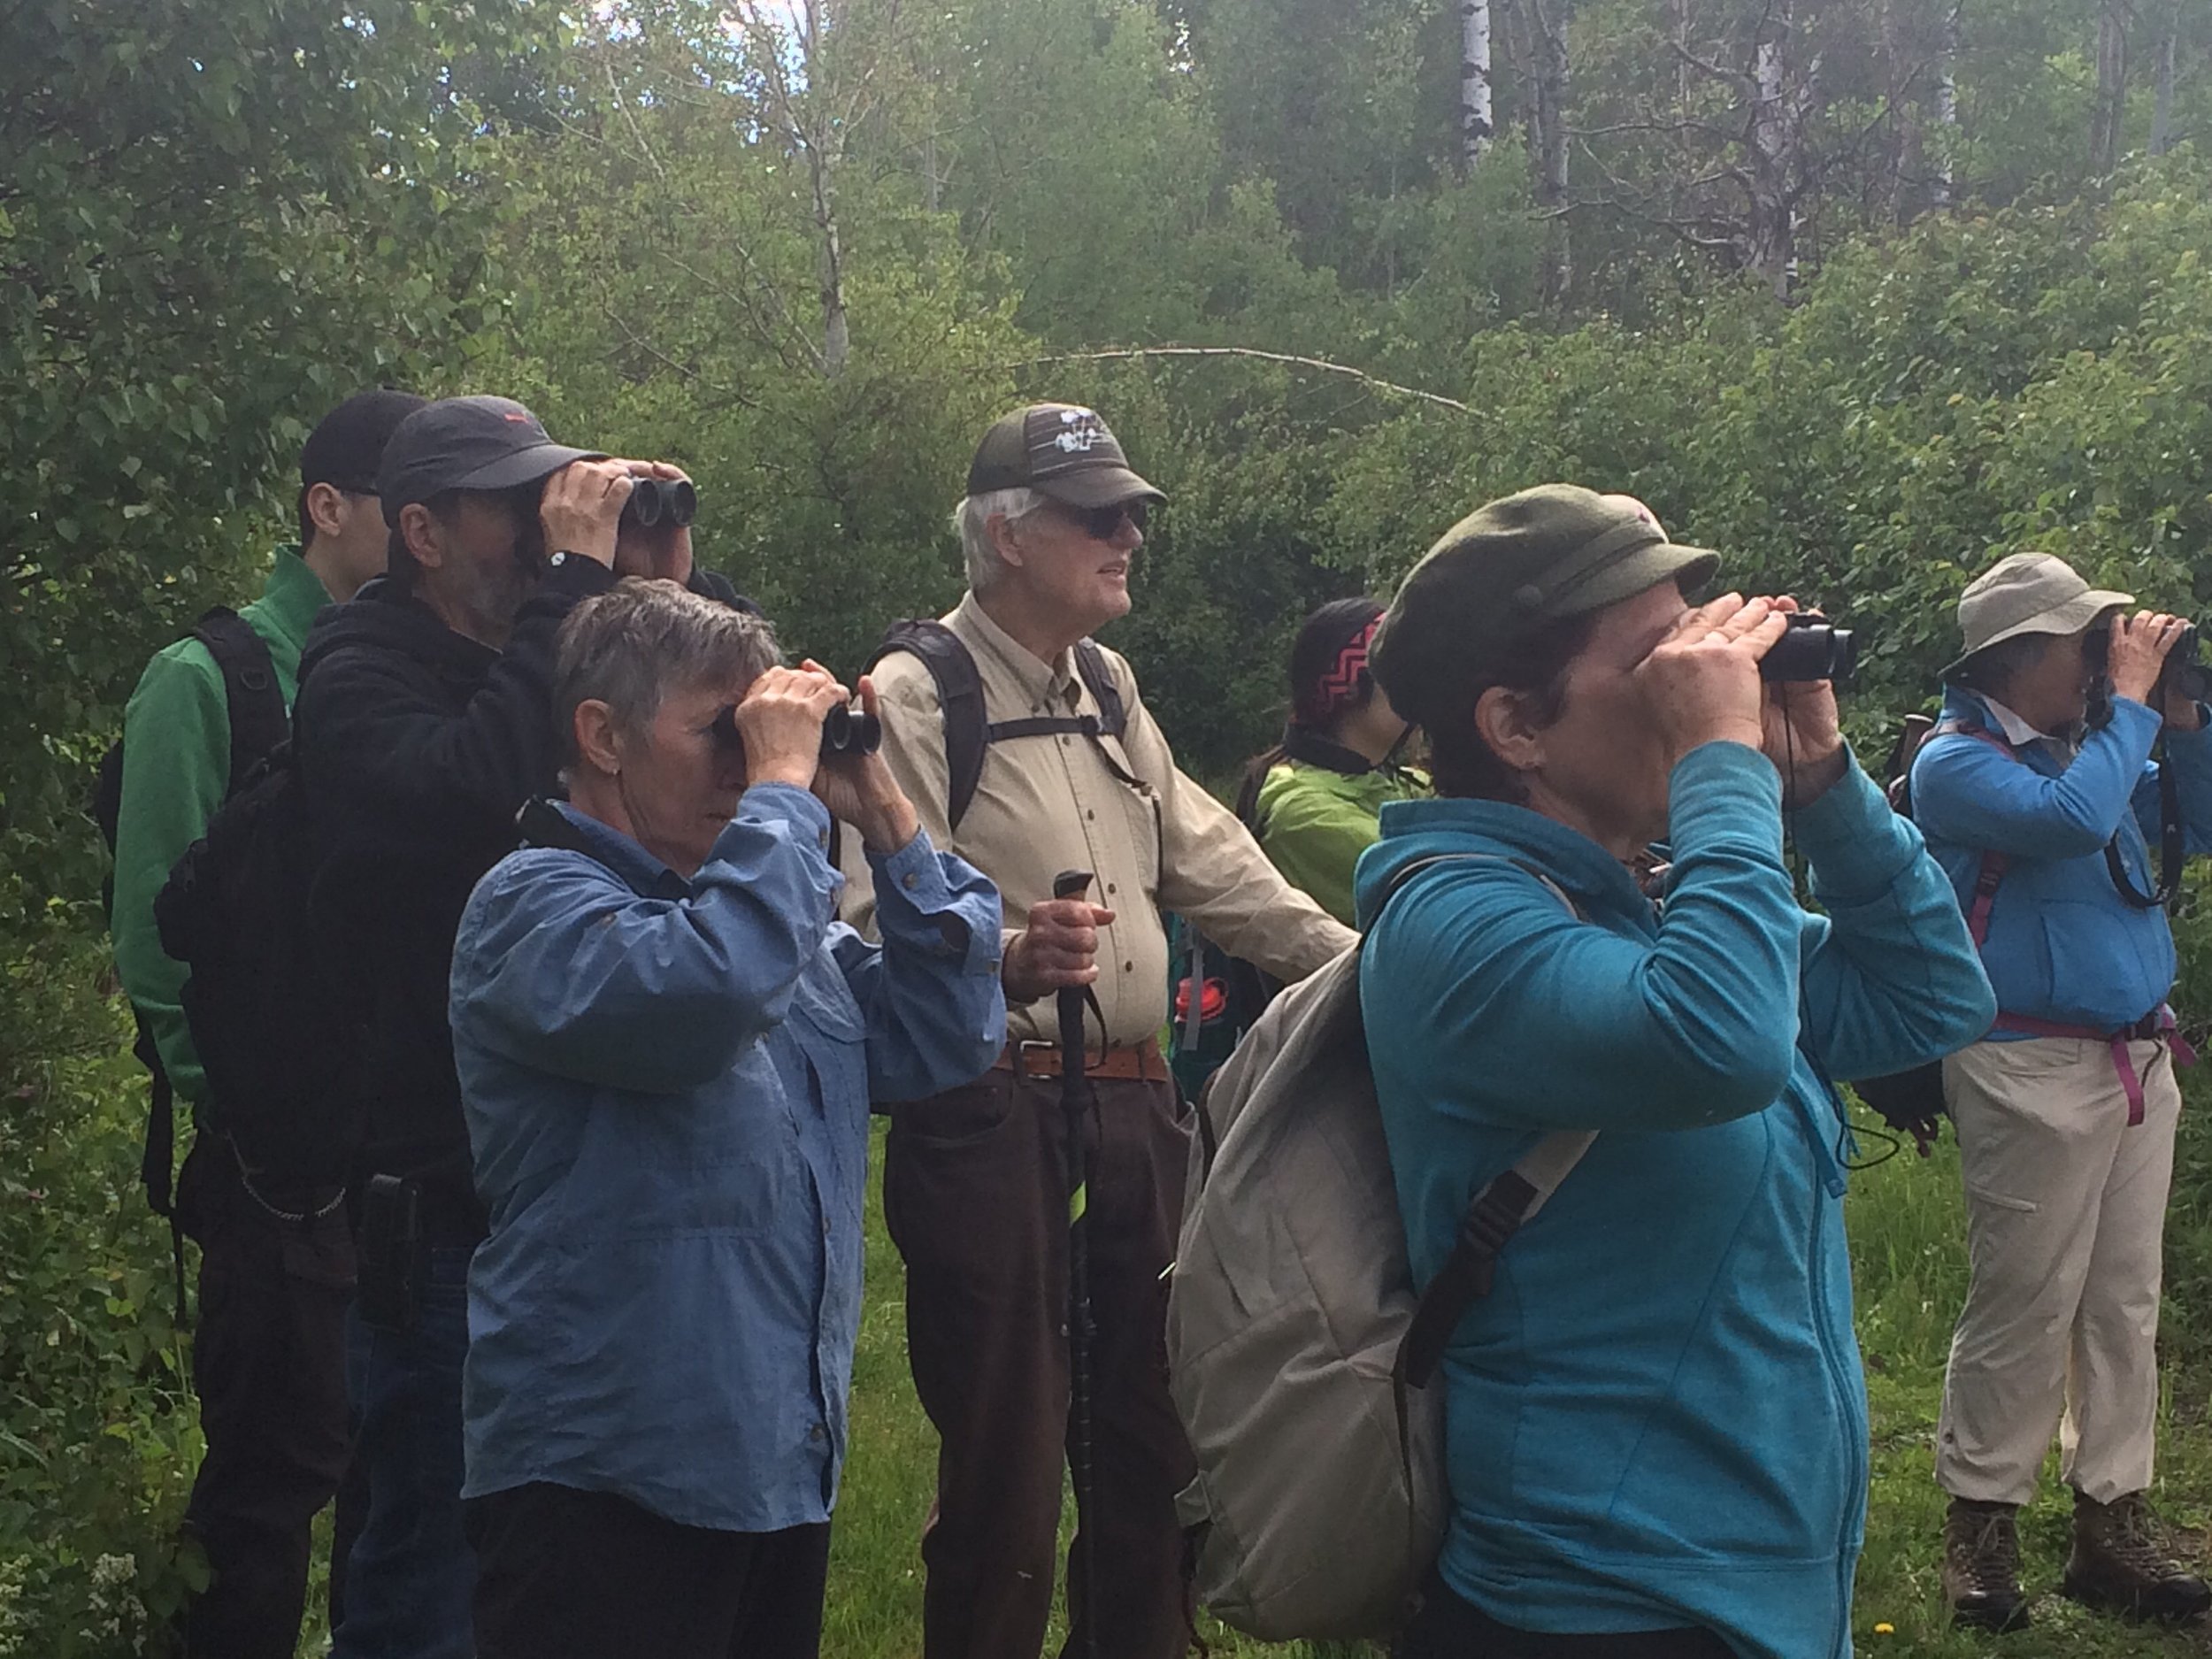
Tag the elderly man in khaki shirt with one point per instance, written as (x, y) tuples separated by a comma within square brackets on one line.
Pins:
[(975, 1182)]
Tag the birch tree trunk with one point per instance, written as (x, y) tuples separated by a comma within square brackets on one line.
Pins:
[(2112, 86), (1549, 158), (1476, 126), (1947, 109), (1772, 231), (2162, 111)]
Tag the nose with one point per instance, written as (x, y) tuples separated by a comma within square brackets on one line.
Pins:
[(1127, 537)]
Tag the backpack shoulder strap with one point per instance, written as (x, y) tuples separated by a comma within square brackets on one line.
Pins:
[(258, 720), (1090, 663), (959, 698), (1499, 1210)]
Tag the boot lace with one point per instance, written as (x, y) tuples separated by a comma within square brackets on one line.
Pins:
[(2136, 1541), (1991, 1557)]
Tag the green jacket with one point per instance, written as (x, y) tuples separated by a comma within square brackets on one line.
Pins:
[(1314, 823), (176, 767)]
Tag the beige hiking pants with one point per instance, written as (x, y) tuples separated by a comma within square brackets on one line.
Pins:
[(2065, 1221)]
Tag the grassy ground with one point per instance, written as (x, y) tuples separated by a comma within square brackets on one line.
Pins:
[(1907, 1232), (1908, 1229)]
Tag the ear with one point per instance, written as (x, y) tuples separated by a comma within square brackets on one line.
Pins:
[(597, 746), (1503, 720), (1000, 530), (326, 508), (424, 535)]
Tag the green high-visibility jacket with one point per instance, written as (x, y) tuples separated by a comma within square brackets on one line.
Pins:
[(1314, 823), (176, 767)]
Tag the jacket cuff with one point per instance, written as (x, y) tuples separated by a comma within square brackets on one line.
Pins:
[(917, 906), (577, 578), (1725, 796)]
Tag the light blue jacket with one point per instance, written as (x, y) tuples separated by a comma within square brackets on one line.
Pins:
[(2063, 945), (1657, 1417), (667, 1087)]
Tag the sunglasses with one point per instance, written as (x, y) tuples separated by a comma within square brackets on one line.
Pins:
[(1103, 524)]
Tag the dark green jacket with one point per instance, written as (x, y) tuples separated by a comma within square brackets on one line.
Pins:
[(176, 767)]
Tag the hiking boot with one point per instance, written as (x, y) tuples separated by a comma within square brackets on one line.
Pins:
[(1981, 1565), (2123, 1563)]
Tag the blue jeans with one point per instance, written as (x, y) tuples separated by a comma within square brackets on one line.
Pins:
[(412, 1577)]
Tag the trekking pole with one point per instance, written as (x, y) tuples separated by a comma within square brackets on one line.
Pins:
[(1073, 884)]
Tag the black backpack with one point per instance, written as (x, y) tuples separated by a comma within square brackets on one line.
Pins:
[(277, 1039), (968, 729), (258, 723)]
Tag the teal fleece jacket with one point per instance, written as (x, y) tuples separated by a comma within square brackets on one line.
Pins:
[(1657, 1417)]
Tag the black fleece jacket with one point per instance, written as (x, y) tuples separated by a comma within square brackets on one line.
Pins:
[(417, 747)]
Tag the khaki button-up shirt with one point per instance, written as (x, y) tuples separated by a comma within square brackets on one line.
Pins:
[(1050, 803)]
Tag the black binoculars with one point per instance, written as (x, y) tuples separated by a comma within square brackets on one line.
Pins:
[(845, 731), (660, 500), (849, 731), (2182, 672), (1813, 648)]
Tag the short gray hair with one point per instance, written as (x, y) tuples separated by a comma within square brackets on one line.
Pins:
[(631, 646), (973, 520)]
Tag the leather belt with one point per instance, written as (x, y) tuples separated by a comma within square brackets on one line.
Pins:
[(1139, 1062)]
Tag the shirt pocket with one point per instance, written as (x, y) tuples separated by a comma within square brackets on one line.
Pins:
[(833, 1034)]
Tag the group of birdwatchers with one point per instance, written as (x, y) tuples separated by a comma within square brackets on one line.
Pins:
[(609, 936)]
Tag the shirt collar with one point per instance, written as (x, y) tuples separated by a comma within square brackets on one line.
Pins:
[(2016, 730), (643, 871), (292, 595), (1040, 681)]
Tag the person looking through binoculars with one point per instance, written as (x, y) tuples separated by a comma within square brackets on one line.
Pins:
[(2037, 792), (424, 724)]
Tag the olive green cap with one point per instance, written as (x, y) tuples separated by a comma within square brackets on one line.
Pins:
[(1508, 570)]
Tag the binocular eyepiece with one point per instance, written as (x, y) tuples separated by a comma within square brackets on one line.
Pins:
[(660, 500), (1812, 648), (849, 731)]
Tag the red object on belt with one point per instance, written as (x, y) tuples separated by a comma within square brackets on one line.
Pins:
[(2154, 1026)]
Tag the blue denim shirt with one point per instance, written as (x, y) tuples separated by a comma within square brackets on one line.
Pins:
[(667, 1087)]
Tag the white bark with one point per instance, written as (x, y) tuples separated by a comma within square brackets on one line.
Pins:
[(1477, 128), (2112, 89), (1771, 240), (1947, 109), (2162, 111)]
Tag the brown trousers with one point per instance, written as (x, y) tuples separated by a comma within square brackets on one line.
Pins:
[(975, 1193)]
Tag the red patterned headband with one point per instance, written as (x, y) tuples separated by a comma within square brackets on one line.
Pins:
[(1320, 702)]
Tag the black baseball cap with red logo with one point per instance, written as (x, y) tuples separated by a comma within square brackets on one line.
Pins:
[(468, 443), (1063, 450)]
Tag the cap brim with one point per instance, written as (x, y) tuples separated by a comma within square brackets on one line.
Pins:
[(525, 466), (1644, 569), (2070, 618), (1097, 486)]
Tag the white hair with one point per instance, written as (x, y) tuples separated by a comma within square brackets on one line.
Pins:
[(973, 520)]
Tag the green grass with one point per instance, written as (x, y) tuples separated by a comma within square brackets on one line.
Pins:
[(1908, 1231)]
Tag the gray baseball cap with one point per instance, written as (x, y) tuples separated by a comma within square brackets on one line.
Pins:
[(2028, 592), (1063, 450), (468, 443)]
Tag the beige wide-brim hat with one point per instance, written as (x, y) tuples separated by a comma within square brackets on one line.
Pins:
[(2028, 592)]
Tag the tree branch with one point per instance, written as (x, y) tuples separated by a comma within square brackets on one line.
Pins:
[(1321, 365)]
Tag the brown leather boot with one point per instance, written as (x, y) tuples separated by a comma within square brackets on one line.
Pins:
[(2122, 1563), (1981, 1565)]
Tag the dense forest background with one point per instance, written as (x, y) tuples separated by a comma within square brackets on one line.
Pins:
[(1863, 292)]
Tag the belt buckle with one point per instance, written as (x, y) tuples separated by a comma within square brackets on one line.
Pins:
[(1021, 1055)]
